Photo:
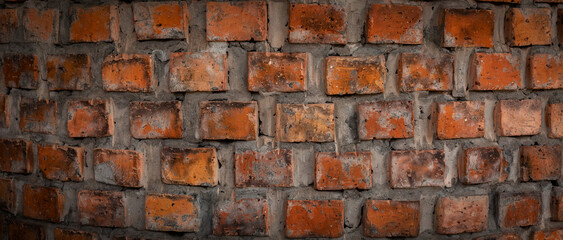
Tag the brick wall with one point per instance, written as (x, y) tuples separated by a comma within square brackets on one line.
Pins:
[(299, 119)]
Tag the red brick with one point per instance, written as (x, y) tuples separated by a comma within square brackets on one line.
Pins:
[(420, 72), (246, 217), (463, 119), (102, 208), (16, 156), (417, 168), (68, 72), (500, 1), (314, 218), (60, 162), (547, 234), (556, 205), (190, 166), (90, 118), (528, 26), (277, 72), (500, 236), (228, 120), (545, 71), (343, 171), (5, 112), (385, 120), (495, 71), (540, 162), (43, 203), (317, 23), (118, 167), (156, 119), (518, 209), (559, 25), (468, 28), (40, 25), (94, 24), (128, 73), (355, 75), (554, 120), (482, 165), (8, 25), (518, 117), (160, 20), (455, 215), (251, 18), (17, 230), (386, 218), (198, 72), (264, 169), (305, 122), (394, 24), (175, 213), (7, 194), (70, 234), (21, 71), (38, 116)]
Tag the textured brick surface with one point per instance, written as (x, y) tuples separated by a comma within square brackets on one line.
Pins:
[(101, 208), (246, 217), (482, 165), (277, 72), (495, 71), (518, 117), (166, 20), (190, 166), (43, 203), (41, 25), (528, 26), (251, 17), (128, 73), (264, 169), (60, 162), (316, 23), (198, 72), (462, 214), (94, 24), (468, 28), (7, 194), (177, 213), (305, 122), (394, 24), (464, 119), (118, 167), (68, 72), (90, 118), (309, 218), (545, 71), (228, 120), (149, 120), (343, 171), (5, 111), (21, 71), (16, 156), (411, 169), (355, 75), (385, 218), (420, 72), (540, 162), (518, 209), (554, 120)]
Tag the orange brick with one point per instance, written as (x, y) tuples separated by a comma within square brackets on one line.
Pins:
[(277, 72), (128, 73), (118, 167), (94, 24), (355, 75), (545, 71), (468, 28), (173, 213), (495, 71), (482, 165), (317, 23), (43, 203), (38, 116), (7, 194), (21, 71), (198, 72), (386, 218), (251, 18), (518, 117), (305, 122), (246, 217), (16, 156), (417, 168), (547, 234), (314, 218), (90, 118), (8, 25), (554, 120), (385, 120), (463, 119), (160, 20), (518, 209), (394, 24), (70, 234), (528, 26), (455, 215), (556, 205), (343, 171), (102, 208), (68, 72), (60, 162), (156, 119), (4, 111), (419, 72), (264, 169), (40, 25), (500, 236), (228, 120), (189, 166), (17, 230), (539, 163)]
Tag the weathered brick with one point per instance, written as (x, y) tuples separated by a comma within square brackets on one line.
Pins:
[(118, 167), (343, 171), (71, 234), (60, 162), (528, 26), (128, 73), (495, 71), (102, 208), (549, 1), (198, 72), (16, 156), (421, 72), (175, 213), (251, 18), (8, 25), (7, 194), (90, 118), (156, 119), (455, 215), (38, 116), (539, 163), (556, 204), (18, 230), (545, 71), (314, 218), (468, 28), (355, 75), (228, 120), (388, 23), (482, 165), (43, 203), (189, 166), (94, 24), (385, 120), (40, 25), (317, 23), (559, 25), (21, 71), (547, 234), (500, 236), (246, 217), (264, 169), (277, 72), (5, 112), (160, 20), (505, 1), (305, 122), (417, 168), (518, 117), (68, 72), (554, 120), (386, 218), (518, 209), (463, 119)]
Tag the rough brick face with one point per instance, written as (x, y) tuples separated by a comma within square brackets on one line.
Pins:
[(176, 213), (305, 122), (343, 171), (277, 72), (495, 71), (414, 168), (251, 17), (17, 230), (528, 26), (456, 215), (264, 169), (118, 167), (21, 71), (518, 209), (545, 71), (94, 24), (38, 116), (101, 208), (385, 218), (355, 75), (7, 194), (464, 119), (501, 236), (43, 203), (5, 111), (198, 72), (68, 72), (60, 162), (189, 166), (314, 218), (16, 156), (69, 234), (154, 120), (518, 117), (394, 24), (547, 234), (246, 217), (128, 73), (317, 23), (41, 25), (482, 165), (468, 28), (540, 162), (421, 72), (90, 118), (559, 26), (554, 120), (385, 120), (556, 205), (160, 20), (8, 28), (228, 120)]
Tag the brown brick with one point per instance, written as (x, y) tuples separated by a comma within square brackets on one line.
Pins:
[(554, 120), (38, 116), (5, 112), (190, 166), (16, 156), (305, 122), (343, 171), (118, 167), (495, 71), (463, 119), (264, 169), (128, 73), (355, 75), (386, 218), (500, 1), (560, 25), (102, 208), (7, 194), (417, 168), (468, 28), (556, 205), (385, 120), (545, 71), (21, 71), (60, 162), (251, 20), (528, 26), (90, 118), (175, 213), (394, 24), (317, 23), (40, 25), (71, 234), (482, 165), (455, 215), (277, 72), (518, 209), (43, 203), (547, 234), (518, 117), (68, 72), (94, 24), (228, 120), (246, 217), (314, 218), (198, 72), (540, 162), (9, 25), (160, 20), (420, 72), (500, 236), (18, 230), (149, 120)]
